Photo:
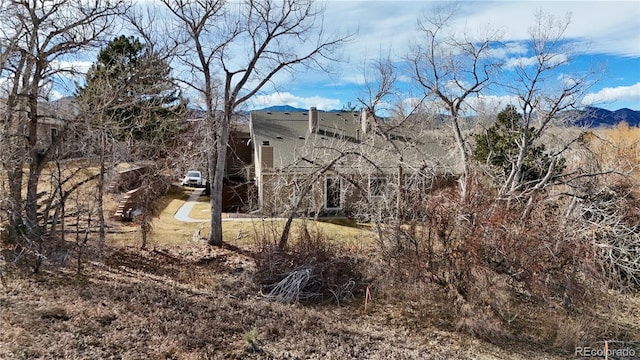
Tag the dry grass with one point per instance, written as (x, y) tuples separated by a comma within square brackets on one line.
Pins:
[(618, 148), (186, 300), (202, 209), (201, 303)]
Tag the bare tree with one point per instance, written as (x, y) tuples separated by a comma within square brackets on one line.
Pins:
[(275, 37), (320, 161), (543, 94), (44, 34), (453, 68)]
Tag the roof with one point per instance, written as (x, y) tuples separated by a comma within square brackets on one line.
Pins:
[(294, 146)]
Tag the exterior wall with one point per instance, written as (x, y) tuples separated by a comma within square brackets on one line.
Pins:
[(279, 194), (359, 196), (239, 155), (47, 130), (290, 142)]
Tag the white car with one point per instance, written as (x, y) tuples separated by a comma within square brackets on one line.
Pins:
[(194, 179)]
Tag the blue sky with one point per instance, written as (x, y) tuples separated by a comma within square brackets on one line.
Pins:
[(605, 36)]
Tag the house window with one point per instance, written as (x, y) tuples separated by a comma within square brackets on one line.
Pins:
[(377, 186), (54, 134), (332, 193)]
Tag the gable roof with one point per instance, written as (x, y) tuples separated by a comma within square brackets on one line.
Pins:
[(342, 132)]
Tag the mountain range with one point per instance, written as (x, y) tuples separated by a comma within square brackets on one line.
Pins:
[(596, 117)]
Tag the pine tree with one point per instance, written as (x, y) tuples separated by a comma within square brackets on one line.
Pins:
[(131, 87), (500, 144)]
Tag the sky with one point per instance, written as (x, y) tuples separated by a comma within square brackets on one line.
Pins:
[(604, 37)]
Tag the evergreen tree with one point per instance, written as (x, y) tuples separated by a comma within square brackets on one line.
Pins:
[(131, 89), (500, 144)]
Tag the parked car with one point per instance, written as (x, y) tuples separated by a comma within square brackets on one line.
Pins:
[(193, 178)]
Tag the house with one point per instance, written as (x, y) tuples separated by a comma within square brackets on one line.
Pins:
[(51, 124), (343, 162)]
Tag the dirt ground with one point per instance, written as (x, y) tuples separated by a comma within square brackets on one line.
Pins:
[(199, 302)]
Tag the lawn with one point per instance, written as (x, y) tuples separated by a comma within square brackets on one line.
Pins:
[(169, 231)]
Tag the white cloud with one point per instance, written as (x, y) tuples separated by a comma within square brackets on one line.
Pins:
[(510, 48), (80, 67), (404, 78), (568, 80), (456, 87), (620, 93), (385, 27), (491, 104), (286, 98), (609, 27), (54, 95), (557, 59)]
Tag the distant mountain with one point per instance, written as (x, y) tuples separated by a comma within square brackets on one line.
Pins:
[(595, 117), (628, 115), (288, 108), (284, 108)]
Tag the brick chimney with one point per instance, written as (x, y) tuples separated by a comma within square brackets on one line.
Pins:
[(365, 121), (313, 120), (266, 155)]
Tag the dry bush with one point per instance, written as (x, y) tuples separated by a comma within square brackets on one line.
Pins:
[(574, 332), (608, 217), (312, 268), (497, 275), (606, 208)]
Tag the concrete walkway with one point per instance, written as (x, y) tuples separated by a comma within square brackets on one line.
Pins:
[(183, 213)]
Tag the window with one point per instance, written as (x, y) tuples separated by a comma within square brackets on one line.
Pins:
[(54, 134), (332, 193), (377, 186)]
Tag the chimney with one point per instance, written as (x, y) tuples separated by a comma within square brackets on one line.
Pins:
[(313, 120), (266, 155), (364, 120)]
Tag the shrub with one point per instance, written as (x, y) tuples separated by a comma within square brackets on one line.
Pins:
[(312, 268), (497, 274)]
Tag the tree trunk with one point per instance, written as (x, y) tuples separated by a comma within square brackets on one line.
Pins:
[(31, 208), (464, 157), (215, 235), (101, 222)]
